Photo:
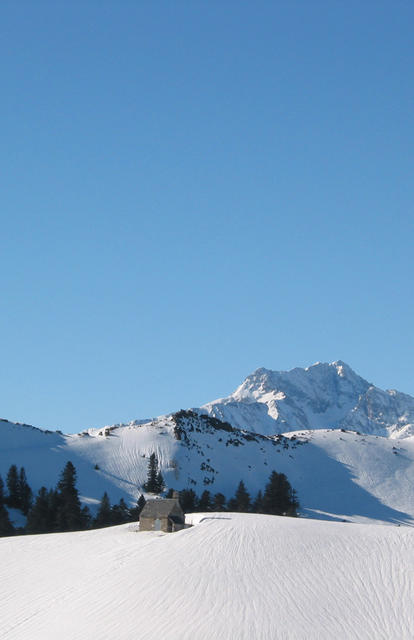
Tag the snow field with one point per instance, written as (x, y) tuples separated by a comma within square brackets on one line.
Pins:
[(337, 474), (230, 577)]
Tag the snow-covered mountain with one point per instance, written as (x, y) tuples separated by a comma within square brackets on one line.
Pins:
[(233, 576), (319, 397), (332, 452), (338, 474)]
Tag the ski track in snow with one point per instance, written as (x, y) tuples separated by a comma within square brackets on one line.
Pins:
[(231, 577)]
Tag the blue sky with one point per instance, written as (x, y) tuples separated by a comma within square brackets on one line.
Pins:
[(192, 190)]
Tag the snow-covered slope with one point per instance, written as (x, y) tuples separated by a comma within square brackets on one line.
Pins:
[(337, 474), (234, 578), (318, 397)]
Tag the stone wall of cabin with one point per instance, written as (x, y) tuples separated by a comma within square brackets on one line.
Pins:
[(147, 524)]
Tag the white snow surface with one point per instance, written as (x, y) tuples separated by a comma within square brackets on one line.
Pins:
[(337, 474), (230, 577), (318, 397)]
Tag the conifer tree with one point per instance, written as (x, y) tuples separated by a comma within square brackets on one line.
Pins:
[(12, 481), (188, 500), (6, 527), (279, 498), (257, 506), (86, 517), (152, 483), (219, 502), (39, 518), (24, 492), (123, 509), (141, 504), (104, 514), (53, 501), (232, 504), (242, 498), (69, 515), (160, 482), (120, 512), (204, 504), (155, 481), (135, 512)]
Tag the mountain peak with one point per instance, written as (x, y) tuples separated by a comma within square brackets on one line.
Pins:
[(323, 395)]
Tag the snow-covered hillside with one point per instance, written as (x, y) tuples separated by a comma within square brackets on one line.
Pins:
[(318, 397), (337, 474), (234, 578)]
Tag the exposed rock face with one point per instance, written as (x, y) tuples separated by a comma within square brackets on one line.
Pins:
[(318, 397)]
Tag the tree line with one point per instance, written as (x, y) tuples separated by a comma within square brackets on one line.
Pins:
[(58, 509), (277, 498)]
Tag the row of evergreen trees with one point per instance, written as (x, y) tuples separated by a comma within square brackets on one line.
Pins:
[(60, 509), (19, 492), (120, 513), (277, 498), (57, 509)]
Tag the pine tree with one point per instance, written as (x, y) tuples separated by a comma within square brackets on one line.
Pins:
[(6, 527), (232, 504), (86, 517), (120, 512), (12, 481), (204, 504), (279, 497), (152, 485), (292, 510), (53, 502), (188, 500), (257, 506), (135, 512), (242, 498), (104, 514), (69, 514), (141, 504), (219, 502), (39, 518), (160, 482), (24, 492)]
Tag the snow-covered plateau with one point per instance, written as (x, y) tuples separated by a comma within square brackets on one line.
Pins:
[(231, 577)]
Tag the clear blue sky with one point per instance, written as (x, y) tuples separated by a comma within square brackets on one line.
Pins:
[(191, 190)]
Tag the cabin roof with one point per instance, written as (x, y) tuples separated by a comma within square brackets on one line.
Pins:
[(161, 508)]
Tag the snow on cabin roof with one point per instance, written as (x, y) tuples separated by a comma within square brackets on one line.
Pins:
[(160, 508)]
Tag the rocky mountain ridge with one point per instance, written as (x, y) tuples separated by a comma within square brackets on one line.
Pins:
[(318, 397)]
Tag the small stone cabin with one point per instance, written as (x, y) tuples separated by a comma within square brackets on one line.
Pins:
[(162, 514)]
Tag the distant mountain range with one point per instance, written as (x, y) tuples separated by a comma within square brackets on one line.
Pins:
[(331, 452), (319, 397)]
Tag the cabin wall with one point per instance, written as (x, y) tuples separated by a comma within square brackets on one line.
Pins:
[(148, 524)]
